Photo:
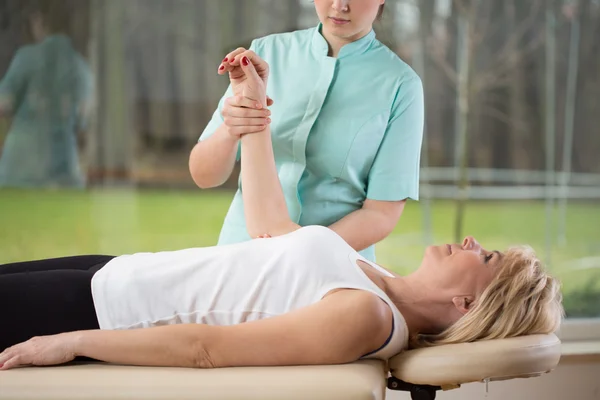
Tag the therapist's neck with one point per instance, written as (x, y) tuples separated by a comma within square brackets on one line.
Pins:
[(336, 43)]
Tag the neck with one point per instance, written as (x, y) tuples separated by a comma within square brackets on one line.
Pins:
[(336, 43), (419, 312)]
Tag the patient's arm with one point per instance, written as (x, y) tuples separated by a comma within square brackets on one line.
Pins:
[(265, 208), (340, 328)]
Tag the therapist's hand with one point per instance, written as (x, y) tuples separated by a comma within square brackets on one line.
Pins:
[(243, 115)]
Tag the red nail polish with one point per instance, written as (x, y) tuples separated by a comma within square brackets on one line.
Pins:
[(245, 61), (225, 59), (222, 67)]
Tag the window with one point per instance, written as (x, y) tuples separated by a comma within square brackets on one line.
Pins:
[(509, 153)]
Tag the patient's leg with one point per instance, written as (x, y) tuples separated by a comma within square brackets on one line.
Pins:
[(45, 303), (50, 264)]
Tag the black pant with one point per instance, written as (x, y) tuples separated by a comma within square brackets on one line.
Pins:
[(47, 297)]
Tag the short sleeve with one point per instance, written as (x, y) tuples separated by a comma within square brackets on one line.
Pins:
[(217, 119), (14, 82), (394, 175)]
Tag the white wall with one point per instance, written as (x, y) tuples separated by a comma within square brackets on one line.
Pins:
[(570, 381)]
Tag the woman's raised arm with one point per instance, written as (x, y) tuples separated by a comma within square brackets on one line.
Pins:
[(265, 208)]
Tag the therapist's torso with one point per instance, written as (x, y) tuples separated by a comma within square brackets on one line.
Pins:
[(329, 121)]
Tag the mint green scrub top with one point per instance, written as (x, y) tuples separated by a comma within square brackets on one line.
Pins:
[(48, 85), (344, 129)]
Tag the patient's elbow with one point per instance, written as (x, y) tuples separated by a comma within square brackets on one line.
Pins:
[(201, 357), (255, 231)]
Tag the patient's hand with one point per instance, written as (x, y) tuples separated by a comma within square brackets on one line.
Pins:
[(43, 350), (232, 64)]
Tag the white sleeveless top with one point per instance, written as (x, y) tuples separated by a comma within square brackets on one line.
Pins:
[(235, 283)]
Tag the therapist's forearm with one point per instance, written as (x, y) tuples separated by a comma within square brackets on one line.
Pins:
[(212, 160), (265, 208), (364, 228)]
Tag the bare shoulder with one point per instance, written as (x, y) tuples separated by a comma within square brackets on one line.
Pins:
[(366, 312)]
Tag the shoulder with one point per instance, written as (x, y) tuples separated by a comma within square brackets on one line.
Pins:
[(26, 52), (365, 312), (392, 65)]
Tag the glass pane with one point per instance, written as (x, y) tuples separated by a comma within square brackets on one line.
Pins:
[(103, 100)]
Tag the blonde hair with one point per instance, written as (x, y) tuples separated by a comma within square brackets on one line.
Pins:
[(522, 299)]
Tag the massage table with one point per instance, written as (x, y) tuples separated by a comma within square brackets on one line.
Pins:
[(422, 372)]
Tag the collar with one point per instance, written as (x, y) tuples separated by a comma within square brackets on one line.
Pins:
[(320, 46)]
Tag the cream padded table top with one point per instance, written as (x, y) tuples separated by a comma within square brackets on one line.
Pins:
[(473, 362), (363, 380), (444, 366)]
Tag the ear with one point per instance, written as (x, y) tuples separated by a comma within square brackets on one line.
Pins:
[(463, 303)]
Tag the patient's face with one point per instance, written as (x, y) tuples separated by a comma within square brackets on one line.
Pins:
[(459, 270)]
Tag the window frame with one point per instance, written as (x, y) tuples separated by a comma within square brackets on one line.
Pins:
[(579, 329)]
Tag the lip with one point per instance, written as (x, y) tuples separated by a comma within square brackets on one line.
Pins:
[(339, 21)]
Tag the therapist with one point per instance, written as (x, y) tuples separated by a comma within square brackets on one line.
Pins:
[(346, 122)]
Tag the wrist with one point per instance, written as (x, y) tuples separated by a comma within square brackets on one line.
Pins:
[(75, 343), (228, 137)]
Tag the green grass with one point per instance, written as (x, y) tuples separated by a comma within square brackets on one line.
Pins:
[(39, 224)]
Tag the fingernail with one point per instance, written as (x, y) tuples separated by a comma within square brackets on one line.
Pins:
[(221, 68), (258, 105), (245, 61), (225, 59)]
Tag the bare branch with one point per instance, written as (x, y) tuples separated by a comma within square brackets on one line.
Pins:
[(491, 77), (438, 57), (462, 7), (507, 50), (502, 117)]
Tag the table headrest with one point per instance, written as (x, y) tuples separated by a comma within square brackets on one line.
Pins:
[(499, 359)]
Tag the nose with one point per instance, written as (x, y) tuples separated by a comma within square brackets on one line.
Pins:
[(469, 243), (340, 5)]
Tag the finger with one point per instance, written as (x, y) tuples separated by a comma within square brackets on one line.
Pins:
[(244, 112), (262, 68), (250, 70), (226, 64), (6, 354), (11, 363), (241, 112), (232, 121), (243, 130), (241, 101)]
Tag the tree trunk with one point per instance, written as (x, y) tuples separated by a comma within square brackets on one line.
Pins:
[(465, 22)]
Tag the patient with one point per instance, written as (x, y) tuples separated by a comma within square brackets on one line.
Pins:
[(296, 295)]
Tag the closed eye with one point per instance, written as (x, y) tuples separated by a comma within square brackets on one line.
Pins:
[(488, 258)]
